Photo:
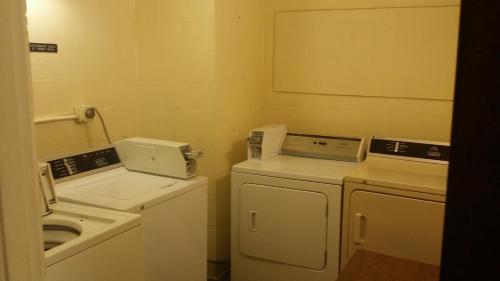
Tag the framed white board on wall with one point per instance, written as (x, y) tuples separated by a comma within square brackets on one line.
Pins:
[(385, 52)]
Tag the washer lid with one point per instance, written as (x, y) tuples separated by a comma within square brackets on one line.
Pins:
[(125, 186), (300, 168), (121, 189)]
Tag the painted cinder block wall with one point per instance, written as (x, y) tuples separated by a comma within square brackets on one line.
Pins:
[(416, 118), (198, 71), (177, 98), (96, 64), (239, 46), (199, 82)]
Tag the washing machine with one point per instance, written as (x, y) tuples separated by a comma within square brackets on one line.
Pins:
[(85, 243), (286, 210), (173, 210), (394, 201)]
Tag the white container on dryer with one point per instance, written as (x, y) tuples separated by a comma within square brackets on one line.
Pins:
[(286, 211), (174, 211)]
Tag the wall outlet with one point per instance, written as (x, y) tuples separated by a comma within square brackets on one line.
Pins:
[(85, 113)]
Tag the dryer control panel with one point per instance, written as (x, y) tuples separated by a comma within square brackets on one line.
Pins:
[(406, 149)]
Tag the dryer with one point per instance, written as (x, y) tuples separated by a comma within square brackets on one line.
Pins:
[(394, 201), (286, 210)]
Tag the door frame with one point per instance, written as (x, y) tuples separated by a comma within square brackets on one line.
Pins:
[(21, 251), (470, 249), (3, 262)]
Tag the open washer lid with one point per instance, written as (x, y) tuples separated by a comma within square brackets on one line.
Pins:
[(121, 189)]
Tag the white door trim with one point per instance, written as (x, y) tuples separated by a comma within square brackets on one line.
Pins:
[(21, 256), (3, 266)]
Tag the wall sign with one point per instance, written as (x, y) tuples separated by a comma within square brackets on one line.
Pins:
[(43, 47)]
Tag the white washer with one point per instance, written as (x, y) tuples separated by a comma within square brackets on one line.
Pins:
[(174, 211), (84, 243), (394, 201), (286, 212), (102, 245)]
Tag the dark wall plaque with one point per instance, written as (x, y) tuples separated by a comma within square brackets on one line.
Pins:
[(43, 47)]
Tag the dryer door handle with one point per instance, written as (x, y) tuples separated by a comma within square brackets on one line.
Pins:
[(253, 221), (359, 227)]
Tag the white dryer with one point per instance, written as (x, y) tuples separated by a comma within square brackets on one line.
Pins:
[(174, 211), (286, 210), (394, 201)]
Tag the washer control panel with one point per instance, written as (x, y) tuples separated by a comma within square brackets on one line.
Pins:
[(425, 151), (85, 162)]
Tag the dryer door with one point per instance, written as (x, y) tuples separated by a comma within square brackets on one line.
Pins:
[(283, 225), (395, 225)]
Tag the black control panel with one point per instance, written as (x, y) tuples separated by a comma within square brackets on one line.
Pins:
[(76, 164), (410, 149)]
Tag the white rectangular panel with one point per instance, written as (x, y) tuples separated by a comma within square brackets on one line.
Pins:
[(283, 225), (392, 52)]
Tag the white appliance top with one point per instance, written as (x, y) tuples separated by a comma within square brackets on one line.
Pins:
[(401, 174), (300, 168), (414, 165), (121, 189)]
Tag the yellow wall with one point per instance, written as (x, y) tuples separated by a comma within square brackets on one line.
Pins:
[(351, 115), (196, 71), (177, 97), (199, 82), (239, 45), (96, 64)]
